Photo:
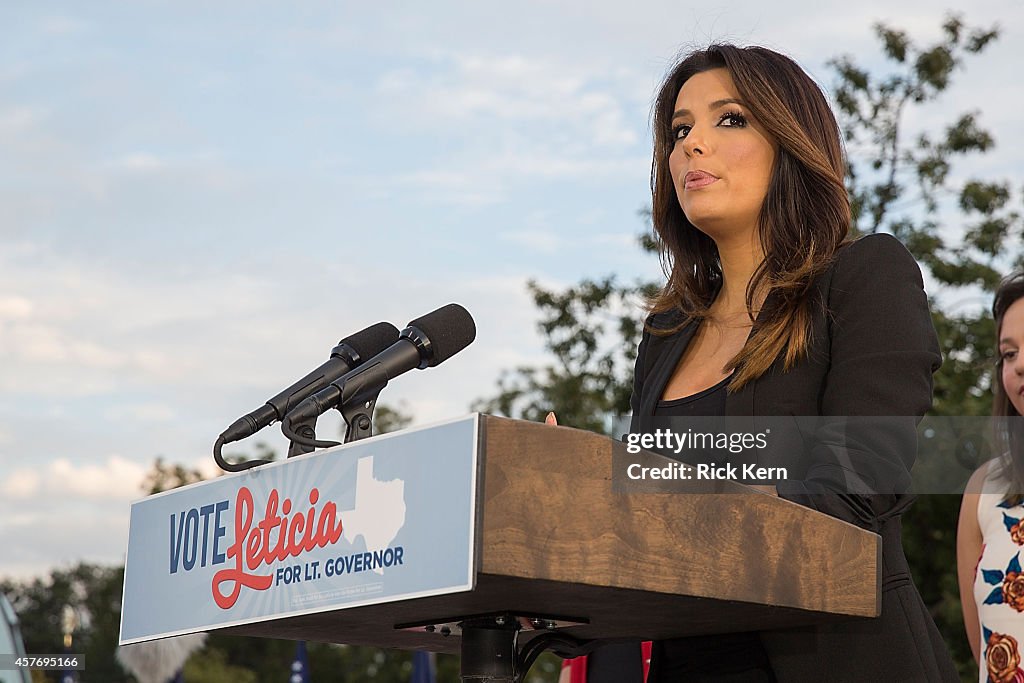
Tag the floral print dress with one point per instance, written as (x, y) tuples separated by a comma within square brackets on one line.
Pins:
[(999, 587)]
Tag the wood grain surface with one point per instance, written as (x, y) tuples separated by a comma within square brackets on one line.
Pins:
[(557, 539)]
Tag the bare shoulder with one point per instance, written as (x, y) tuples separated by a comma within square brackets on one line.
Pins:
[(969, 534), (976, 483)]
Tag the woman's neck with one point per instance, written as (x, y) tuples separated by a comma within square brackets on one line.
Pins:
[(739, 261)]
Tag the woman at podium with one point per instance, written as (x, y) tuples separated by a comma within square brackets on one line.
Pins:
[(770, 308)]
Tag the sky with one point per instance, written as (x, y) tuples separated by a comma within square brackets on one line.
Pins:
[(198, 200)]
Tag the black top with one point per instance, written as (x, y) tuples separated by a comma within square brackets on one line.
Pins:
[(707, 403), (725, 654)]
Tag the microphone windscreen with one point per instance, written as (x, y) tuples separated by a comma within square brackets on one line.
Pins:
[(449, 329), (371, 341)]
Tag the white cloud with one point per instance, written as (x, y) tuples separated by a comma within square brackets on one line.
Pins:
[(14, 308), (93, 485), (32, 349), (451, 187), (62, 25), (21, 484), (547, 164), (488, 91), (617, 240), (18, 119), (49, 345), (114, 479), (139, 161), (142, 412), (539, 240), (38, 542)]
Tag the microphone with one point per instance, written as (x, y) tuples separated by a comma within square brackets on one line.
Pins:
[(349, 353), (425, 342)]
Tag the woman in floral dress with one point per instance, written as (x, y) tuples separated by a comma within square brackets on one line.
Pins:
[(990, 535)]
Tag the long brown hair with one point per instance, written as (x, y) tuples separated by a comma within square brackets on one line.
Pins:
[(1008, 422), (803, 221)]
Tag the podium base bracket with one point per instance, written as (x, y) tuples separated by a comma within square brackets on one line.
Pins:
[(491, 650)]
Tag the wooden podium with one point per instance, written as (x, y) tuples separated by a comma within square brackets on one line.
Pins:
[(555, 541)]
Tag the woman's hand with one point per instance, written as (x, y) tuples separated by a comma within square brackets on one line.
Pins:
[(551, 419)]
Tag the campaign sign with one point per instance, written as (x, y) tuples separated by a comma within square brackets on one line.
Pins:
[(385, 519)]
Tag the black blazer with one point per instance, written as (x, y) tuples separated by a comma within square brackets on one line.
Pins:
[(872, 352)]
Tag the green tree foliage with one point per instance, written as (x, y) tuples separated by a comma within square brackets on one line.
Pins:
[(965, 232), (94, 593), (228, 659), (166, 476), (212, 667), (387, 419), (592, 331)]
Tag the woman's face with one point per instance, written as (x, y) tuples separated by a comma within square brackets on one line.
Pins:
[(722, 160), (1011, 343)]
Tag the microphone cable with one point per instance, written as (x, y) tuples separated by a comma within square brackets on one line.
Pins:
[(233, 466), (292, 435)]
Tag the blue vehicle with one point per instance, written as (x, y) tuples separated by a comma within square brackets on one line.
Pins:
[(11, 643)]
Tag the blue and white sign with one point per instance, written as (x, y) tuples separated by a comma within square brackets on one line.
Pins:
[(390, 518)]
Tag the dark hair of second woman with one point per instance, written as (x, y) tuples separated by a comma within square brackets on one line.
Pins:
[(804, 219), (1009, 431)]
